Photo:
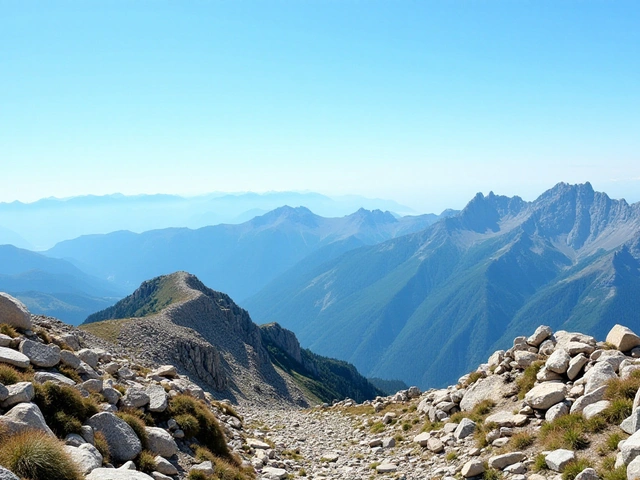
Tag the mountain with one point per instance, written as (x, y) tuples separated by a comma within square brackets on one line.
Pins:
[(239, 259), (50, 286), (181, 321), (9, 237), (428, 306), (51, 220)]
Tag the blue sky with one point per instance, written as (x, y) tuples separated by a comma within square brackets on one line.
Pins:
[(422, 102)]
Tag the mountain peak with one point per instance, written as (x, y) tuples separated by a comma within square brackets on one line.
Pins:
[(300, 215)]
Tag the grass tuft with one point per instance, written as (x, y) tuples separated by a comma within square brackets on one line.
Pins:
[(527, 380), (8, 330), (137, 425), (570, 431), (146, 461), (574, 467), (522, 440), (63, 408), (619, 409), (101, 444), (9, 375)]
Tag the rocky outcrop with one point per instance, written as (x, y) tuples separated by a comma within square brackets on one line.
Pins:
[(282, 338), (14, 312)]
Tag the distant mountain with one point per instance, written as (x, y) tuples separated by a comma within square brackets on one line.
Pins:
[(239, 259), (177, 319), (429, 306), (51, 286), (51, 220), (9, 237)]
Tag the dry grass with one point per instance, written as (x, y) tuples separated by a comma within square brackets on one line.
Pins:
[(570, 431), (62, 406), (527, 380), (572, 470), (101, 444), (108, 330), (34, 455), (619, 388), (522, 440), (146, 461), (8, 330)]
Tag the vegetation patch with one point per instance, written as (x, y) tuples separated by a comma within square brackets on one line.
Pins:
[(522, 440), (63, 408), (101, 444), (137, 425), (146, 461), (570, 432), (107, 330), (8, 330), (527, 380), (573, 468), (619, 388), (34, 455)]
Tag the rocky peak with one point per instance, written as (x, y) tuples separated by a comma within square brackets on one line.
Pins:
[(484, 213), (282, 338), (295, 215)]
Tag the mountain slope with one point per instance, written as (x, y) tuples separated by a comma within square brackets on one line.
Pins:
[(179, 320), (428, 306), (239, 259), (54, 287)]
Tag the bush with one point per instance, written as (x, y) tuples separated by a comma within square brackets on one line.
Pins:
[(540, 463), (69, 372), (522, 440), (209, 432), (189, 424), (9, 375), (146, 461), (34, 455), (430, 426), (137, 425), (618, 388), (570, 431), (527, 380), (197, 475), (574, 467), (63, 408), (8, 330), (377, 427), (101, 444), (619, 409)]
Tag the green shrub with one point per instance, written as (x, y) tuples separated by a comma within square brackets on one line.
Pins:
[(101, 444), (491, 473), (570, 431), (527, 380), (209, 432), (377, 427), (574, 467), (137, 425), (618, 388), (34, 455), (430, 426), (9, 375), (619, 473), (473, 378), (69, 372), (619, 409), (540, 463), (62, 406), (146, 461), (610, 444), (197, 475), (189, 424)]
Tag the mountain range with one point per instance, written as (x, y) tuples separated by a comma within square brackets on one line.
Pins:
[(43, 223), (428, 306), (237, 259)]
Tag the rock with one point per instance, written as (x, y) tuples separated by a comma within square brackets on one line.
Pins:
[(258, 444), (633, 469), (388, 442), (14, 312), (39, 354), (575, 366), (506, 459), (168, 371), (631, 424), (89, 356), (491, 388), (540, 335), (465, 428), (598, 376), (524, 358), (135, 398), (18, 393), (472, 468), (14, 358), (69, 359), (559, 361), (545, 395), (160, 476), (123, 442), (93, 385), (161, 442), (87, 433), (44, 377), (596, 408), (4, 393), (506, 419), (546, 375), (165, 466), (593, 397), (386, 468), (330, 457), (623, 338), (5, 340), (435, 445), (157, 398), (116, 474), (557, 411), (24, 416), (422, 438), (273, 473), (630, 448), (86, 457), (558, 459), (111, 395), (587, 474), (7, 474)]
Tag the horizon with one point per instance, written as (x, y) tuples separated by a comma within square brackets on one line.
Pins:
[(425, 103)]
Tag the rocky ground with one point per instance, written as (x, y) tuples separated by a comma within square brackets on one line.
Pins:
[(555, 405)]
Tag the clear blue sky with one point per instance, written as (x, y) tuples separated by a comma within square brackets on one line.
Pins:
[(423, 102)]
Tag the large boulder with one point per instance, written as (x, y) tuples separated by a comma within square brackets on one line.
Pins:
[(492, 388), (540, 335), (557, 460), (44, 377), (161, 442), (630, 449), (20, 392), (135, 398), (14, 312), (116, 474), (465, 428), (14, 358), (157, 398), (86, 457), (22, 417), (598, 376), (584, 401), (39, 354), (545, 395), (558, 362), (123, 442), (472, 468), (7, 474), (623, 338)]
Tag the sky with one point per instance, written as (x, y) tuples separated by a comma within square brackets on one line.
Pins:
[(422, 102)]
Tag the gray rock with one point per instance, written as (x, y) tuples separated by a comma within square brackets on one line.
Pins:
[(161, 442), (14, 312), (387, 467), (39, 354), (422, 438), (4, 393), (17, 359), (633, 469), (123, 442), (507, 419), (135, 398), (594, 409), (111, 368), (557, 460), (524, 358), (630, 448), (93, 385), (7, 474), (623, 338), (71, 341), (165, 466), (69, 359), (540, 335), (157, 398), (502, 461), (87, 433), (19, 393), (613, 357), (24, 416), (111, 395), (74, 440), (546, 375), (43, 377), (86, 457), (472, 468), (491, 388), (435, 445), (204, 467), (168, 371), (89, 356), (598, 376), (575, 366), (545, 395), (5, 340), (465, 428), (557, 411), (558, 362), (388, 442), (593, 397), (631, 424), (160, 476), (587, 474), (116, 474)]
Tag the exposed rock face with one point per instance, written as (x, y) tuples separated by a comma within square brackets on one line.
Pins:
[(283, 339), (14, 312)]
